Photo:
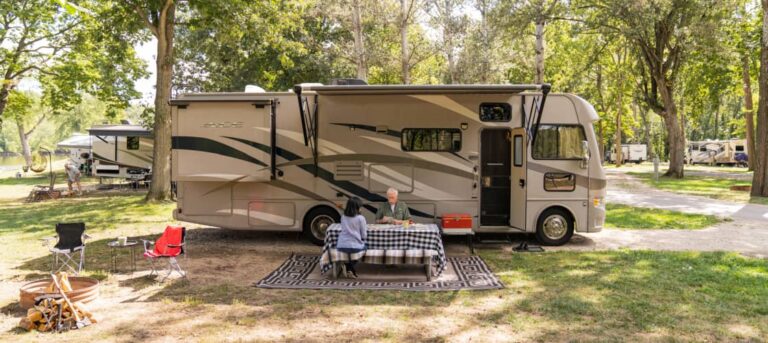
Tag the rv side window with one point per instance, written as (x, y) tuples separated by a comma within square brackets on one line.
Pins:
[(559, 142), (495, 112), (132, 142), (448, 140), (518, 151), (739, 148)]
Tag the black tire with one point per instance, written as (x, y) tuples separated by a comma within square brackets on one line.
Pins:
[(320, 218), (560, 228)]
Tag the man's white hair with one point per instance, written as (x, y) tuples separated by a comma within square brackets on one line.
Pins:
[(392, 190)]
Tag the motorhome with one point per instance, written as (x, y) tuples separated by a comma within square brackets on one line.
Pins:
[(634, 153), (703, 152), (718, 152), (732, 152), (515, 157), (121, 151)]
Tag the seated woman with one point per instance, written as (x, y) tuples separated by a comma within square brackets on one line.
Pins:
[(353, 234)]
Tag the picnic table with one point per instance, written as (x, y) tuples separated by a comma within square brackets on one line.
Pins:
[(390, 244)]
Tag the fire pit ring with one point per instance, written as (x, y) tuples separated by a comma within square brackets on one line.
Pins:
[(84, 289)]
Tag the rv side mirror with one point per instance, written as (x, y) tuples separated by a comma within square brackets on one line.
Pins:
[(584, 154)]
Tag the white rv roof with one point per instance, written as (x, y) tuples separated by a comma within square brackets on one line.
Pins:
[(423, 89), (76, 141), (119, 130), (255, 98)]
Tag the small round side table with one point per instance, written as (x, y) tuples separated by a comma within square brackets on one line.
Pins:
[(115, 245)]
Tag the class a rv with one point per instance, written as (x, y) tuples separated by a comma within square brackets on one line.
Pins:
[(517, 158), (121, 151)]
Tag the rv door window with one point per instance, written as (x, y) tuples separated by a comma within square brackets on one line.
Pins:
[(448, 140), (495, 112), (518, 151), (132, 143), (559, 142)]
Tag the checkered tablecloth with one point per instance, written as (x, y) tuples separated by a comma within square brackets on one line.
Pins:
[(390, 244)]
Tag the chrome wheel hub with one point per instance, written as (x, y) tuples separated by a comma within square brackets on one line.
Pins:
[(320, 225), (555, 227)]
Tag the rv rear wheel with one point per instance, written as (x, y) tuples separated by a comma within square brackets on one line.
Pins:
[(554, 227), (317, 221)]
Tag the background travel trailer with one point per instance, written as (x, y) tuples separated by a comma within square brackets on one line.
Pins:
[(718, 152), (260, 161), (636, 153), (77, 145), (121, 151)]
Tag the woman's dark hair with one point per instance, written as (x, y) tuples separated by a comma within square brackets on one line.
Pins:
[(353, 207)]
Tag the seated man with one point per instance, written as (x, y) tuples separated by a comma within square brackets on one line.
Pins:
[(393, 211)]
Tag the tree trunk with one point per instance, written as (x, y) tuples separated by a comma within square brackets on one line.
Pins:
[(748, 111), (404, 41), (357, 27), (760, 176), (675, 136), (26, 151), (5, 91), (617, 140), (539, 50), (161, 164), (717, 121)]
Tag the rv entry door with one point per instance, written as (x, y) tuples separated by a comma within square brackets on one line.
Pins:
[(519, 179), (495, 185)]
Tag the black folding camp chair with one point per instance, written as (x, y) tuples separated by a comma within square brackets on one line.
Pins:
[(71, 241)]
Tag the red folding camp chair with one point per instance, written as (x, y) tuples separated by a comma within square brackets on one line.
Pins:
[(169, 246)]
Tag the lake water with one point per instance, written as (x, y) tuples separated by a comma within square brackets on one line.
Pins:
[(15, 162)]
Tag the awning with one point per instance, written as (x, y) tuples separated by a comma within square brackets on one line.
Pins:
[(76, 141), (119, 130), (422, 89)]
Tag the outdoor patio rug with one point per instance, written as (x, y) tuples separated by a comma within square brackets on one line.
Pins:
[(461, 272)]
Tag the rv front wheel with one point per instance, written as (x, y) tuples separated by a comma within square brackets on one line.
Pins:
[(554, 227), (317, 221)]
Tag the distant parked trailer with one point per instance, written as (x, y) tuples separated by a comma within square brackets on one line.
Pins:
[(122, 151), (718, 152), (636, 153)]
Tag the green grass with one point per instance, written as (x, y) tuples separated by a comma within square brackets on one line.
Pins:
[(610, 295), (41, 179), (23, 224), (633, 218), (553, 296), (711, 187)]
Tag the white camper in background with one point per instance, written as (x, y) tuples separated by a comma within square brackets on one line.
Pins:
[(514, 157), (636, 153), (732, 152), (121, 151), (703, 152), (77, 144)]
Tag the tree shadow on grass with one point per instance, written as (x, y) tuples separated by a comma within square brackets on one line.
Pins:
[(100, 213), (620, 294)]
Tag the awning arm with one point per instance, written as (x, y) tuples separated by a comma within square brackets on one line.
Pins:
[(545, 88)]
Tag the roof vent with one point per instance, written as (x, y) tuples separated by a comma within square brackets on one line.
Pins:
[(254, 89), (348, 82)]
